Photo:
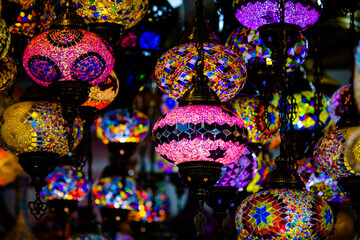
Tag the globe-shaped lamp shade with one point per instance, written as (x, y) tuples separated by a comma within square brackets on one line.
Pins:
[(248, 44), (239, 173), (26, 21), (8, 71), (338, 101), (176, 68), (251, 111), (68, 55), (305, 106), (284, 214), (66, 183), (87, 236), (153, 207), (110, 192), (329, 153), (103, 94), (254, 13), (9, 167), (167, 104), (325, 187), (37, 127), (121, 126), (5, 38), (200, 133), (127, 13)]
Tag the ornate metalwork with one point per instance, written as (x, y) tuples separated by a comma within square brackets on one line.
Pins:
[(37, 207)]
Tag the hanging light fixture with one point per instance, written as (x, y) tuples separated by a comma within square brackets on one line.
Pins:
[(338, 101), (8, 71), (5, 38), (37, 133)]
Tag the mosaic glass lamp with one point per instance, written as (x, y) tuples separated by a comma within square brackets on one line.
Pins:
[(338, 101), (5, 38), (176, 68), (251, 110), (9, 167), (38, 134), (8, 71)]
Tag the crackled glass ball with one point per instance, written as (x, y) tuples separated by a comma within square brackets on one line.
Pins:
[(66, 183), (200, 133), (176, 68), (121, 126), (37, 127), (252, 112), (248, 44), (256, 13), (284, 214), (103, 94), (110, 192), (9, 167), (68, 55), (124, 12), (239, 173), (8, 71), (5, 38), (329, 153), (338, 101)]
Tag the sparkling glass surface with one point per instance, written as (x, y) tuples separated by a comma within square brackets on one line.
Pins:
[(66, 183), (9, 167), (120, 126), (8, 71), (176, 67), (256, 13), (68, 55), (329, 153), (124, 12), (111, 193), (103, 94), (338, 100), (239, 173), (37, 127), (200, 133), (284, 214), (248, 44), (250, 109), (5, 38)]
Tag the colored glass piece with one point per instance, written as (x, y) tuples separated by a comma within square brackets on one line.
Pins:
[(200, 133), (119, 126), (66, 183), (103, 94), (37, 127), (5, 38), (111, 193), (9, 167), (338, 101), (126, 12), (225, 70), (284, 214), (256, 13), (8, 71), (68, 55)]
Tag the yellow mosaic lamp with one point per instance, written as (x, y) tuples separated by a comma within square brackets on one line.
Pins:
[(5, 38), (9, 167), (8, 71)]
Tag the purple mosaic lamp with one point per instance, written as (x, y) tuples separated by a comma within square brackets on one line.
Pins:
[(338, 101)]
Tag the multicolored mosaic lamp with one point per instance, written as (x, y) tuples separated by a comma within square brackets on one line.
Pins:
[(5, 38), (338, 101), (9, 167), (37, 132), (8, 71), (251, 110)]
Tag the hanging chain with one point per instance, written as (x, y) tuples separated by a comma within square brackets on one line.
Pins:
[(199, 44)]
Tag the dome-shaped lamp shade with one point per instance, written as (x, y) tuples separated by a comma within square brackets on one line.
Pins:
[(329, 153), (5, 38), (248, 44), (68, 55), (104, 93), (200, 133), (110, 192), (9, 167), (8, 71), (239, 173), (325, 187), (26, 21), (126, 13), (176, 68), (66, 183), (338, 101), (121, 126), (284, 214), (256, 13), (305, 106), (37, 127), (251, 111)]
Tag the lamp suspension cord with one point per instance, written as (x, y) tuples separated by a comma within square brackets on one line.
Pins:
[(200, 40)]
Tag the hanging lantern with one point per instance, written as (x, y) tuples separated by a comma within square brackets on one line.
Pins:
[(176, 68), (9, 167), (8, 71), (5, 38), (251, 110), (338, 101)]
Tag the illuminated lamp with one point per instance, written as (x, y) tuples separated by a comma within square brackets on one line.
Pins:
[(5, 38), (9, 167), (37, 133), (8, 71), (338, 100)]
